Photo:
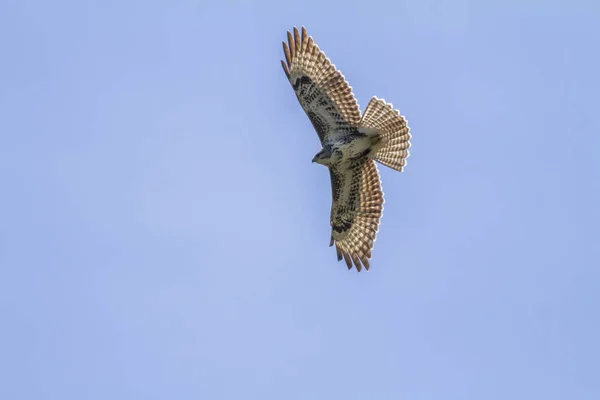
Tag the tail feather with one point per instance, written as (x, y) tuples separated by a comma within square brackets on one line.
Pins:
[(393, 129)]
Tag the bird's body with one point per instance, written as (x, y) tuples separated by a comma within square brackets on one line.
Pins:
[(342, 147), (351, 144)]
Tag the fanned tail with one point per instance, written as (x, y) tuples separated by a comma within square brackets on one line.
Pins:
[(392, 128)]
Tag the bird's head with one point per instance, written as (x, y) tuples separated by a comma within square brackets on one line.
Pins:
[(323, 157)]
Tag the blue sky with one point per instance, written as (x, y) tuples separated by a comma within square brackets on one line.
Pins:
[(165, 236)]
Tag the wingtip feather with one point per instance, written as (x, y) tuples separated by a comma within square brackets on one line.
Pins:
[(297, 42), (292, 44), (285, 69), (286, 52), (304, 39), (347, 259), (357, 263), (365, 262)]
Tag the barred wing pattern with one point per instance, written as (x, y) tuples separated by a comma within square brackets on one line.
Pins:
[(321, 89), (328, 101), (356, 211)]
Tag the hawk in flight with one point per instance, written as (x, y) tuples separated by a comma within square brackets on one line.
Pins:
[(351, 144)]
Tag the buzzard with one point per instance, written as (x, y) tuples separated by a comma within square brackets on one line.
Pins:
[(350, 143)]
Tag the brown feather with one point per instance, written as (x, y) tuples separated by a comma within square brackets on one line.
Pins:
[(328, 101), (318, 78), (292, 45), (356, 241), (286, 52)]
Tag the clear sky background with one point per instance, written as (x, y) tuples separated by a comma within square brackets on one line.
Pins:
[(164, 234)]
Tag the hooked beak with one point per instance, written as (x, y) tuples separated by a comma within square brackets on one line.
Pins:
[(314, 159)]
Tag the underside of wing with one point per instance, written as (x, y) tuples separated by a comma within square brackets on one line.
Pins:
[(356, 210), (321, 89)]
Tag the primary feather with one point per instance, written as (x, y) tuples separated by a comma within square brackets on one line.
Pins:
[(350, 145)]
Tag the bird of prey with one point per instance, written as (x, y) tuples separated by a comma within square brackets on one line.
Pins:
[(350, 143)]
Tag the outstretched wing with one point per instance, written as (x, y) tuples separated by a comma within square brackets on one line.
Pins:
[(321, 89), (355, 211)]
